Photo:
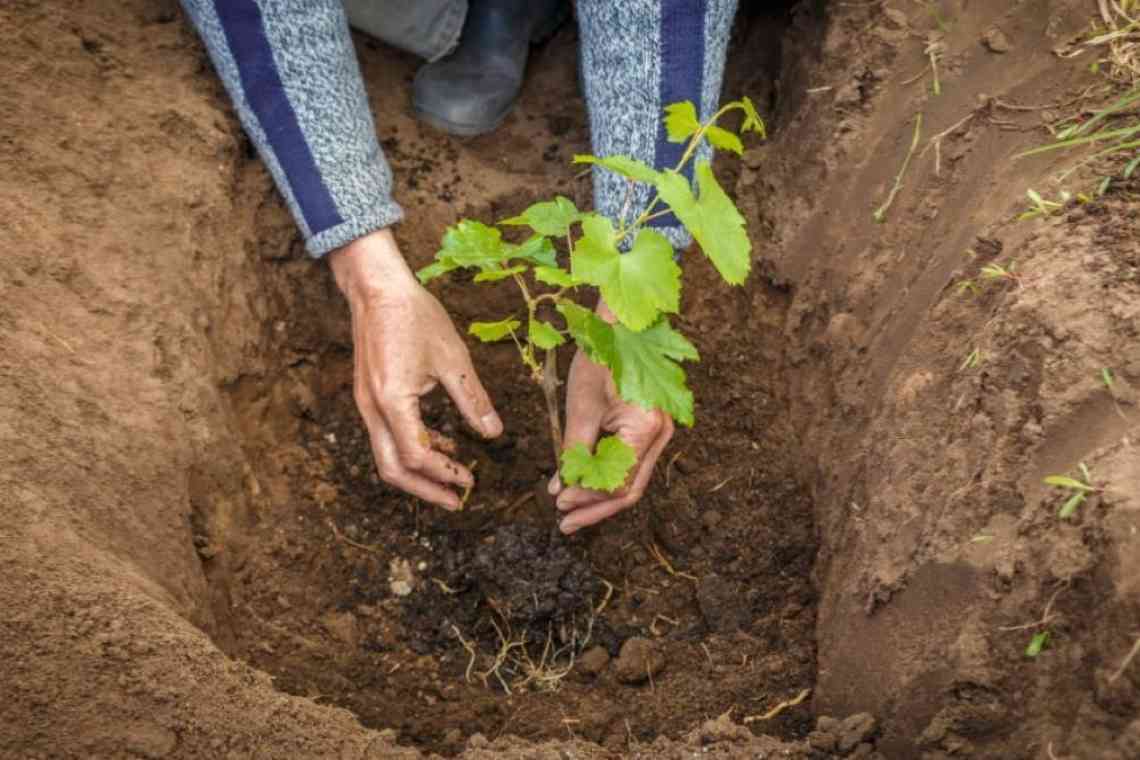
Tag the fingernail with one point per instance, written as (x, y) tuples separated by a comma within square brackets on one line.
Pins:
[(492, 425), (554, 486), (568, 527)]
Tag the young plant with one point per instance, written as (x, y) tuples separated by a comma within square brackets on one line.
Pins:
[(641, 287), (1079, 490)]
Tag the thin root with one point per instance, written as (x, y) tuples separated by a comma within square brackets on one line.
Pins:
[(799, 698), (660, 557)]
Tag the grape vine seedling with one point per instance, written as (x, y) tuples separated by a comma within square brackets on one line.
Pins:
[(641, 286)]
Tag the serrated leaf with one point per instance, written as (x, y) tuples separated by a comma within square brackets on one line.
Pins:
[(646, 371), (536, 249), (544, 335), (489, 332), (725, 140), (752, 120), (681, 121), (467, 244), (555, 276), (500, 274), (713, 220), (623, 165), (1069, 508), (471, 243), (644, 364), (593, 334), (1037, 644), (604, 470), (1062, 481), (551, 218), (638, 285)]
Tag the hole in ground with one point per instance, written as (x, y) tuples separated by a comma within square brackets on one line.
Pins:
[(508, 628)]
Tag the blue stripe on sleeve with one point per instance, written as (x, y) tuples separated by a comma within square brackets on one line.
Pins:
[(261, 82), (682, 77)]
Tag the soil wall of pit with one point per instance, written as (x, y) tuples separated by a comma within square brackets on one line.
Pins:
[(144, 355)]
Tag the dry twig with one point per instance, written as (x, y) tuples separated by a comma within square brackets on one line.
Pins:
[(779, 708)]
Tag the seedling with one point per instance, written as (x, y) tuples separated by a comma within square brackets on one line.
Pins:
[(1079, 490), (1101, 132), (641, 287), (1039, 207), (1037, 644), (972, 360), (997, 272)]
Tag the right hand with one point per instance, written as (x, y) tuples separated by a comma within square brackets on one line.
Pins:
[(404, 344)]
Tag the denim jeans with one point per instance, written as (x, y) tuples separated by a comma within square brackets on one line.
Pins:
[(427, 28)]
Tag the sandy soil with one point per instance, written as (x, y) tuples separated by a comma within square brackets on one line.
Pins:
[(197, 561)]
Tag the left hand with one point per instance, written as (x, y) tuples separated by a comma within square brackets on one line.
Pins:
[(592, 406)]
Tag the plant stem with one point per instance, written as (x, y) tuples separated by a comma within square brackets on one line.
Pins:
[(549, 385)]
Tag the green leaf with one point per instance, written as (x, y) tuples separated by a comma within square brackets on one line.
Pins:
[(681, 121), (555, 276), (472, 244), (544, 335), (500, 274), (725, 140), (593, 334), (646, 371), (489, 332), (1069, 508), (604, 470), (1037, 643), (537, 249), (644, 364), (551, 218), (638, 285), (623, 165), (1061, 481), (752, 120), (433, 270), (712, 219)]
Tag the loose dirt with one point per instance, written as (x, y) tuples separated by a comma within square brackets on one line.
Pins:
[(197, 559)]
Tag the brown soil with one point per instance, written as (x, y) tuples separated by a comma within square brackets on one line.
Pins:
[(198, 560)]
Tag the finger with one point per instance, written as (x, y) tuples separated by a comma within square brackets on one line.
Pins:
[(441, 442), (394, 474), (413, 445), (387, 459), (473, 401), (588, 515), (577, 497)]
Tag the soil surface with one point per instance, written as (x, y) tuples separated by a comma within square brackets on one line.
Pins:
[(846, 557)]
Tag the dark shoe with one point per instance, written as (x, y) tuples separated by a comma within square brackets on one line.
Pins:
[(472, 90)]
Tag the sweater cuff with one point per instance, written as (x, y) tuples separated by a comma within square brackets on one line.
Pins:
[(384, 215)]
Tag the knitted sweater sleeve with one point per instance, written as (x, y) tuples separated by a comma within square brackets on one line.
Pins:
[(638, 56), (291, 71)]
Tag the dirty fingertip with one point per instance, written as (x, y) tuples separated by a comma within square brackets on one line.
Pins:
[(491, 424)]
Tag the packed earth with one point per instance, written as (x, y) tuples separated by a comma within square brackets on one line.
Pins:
[(854, 553)]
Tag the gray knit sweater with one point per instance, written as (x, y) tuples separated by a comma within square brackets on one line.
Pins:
[(291, 70)]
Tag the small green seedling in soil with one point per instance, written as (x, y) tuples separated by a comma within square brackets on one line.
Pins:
[(998, 273), (1037, 644), (1040, 207), (970, 287), (973, 359), (641, 287), (1079, 490), (1112, 133), (1107, 378)]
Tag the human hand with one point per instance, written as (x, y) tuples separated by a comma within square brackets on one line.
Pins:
[(404, 344), (593, 405)]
